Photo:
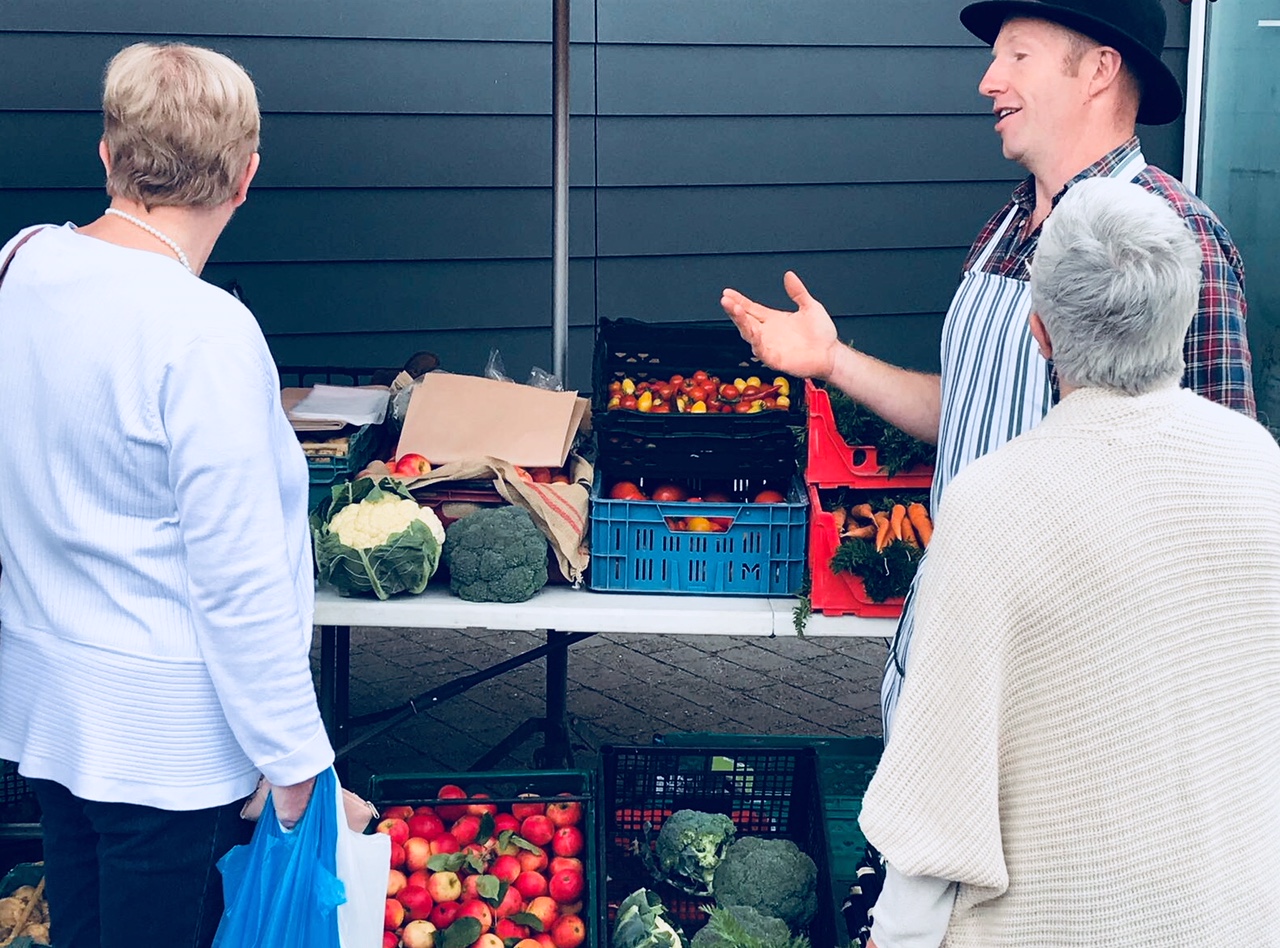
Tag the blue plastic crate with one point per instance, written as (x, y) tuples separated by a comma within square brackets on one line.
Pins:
[(761, 553)]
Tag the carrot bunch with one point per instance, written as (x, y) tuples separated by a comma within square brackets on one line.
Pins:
[(903, 523)]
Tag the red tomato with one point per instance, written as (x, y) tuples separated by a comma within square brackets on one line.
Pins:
[(769, 497), (625, 490), (669, 492)]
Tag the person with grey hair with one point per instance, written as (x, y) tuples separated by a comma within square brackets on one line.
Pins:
[(1053, 777), (157, 591)]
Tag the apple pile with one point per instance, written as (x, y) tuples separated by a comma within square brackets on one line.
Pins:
[(700, 393), (469, 875)]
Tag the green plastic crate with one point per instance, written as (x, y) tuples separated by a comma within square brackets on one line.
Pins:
[(363, 446), (846, 765), (505, 788)]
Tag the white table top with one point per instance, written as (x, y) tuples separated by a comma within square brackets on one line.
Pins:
[(579, 610)]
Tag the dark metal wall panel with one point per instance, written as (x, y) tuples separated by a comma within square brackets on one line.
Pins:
[(64, 71), (323, 151), (663, 221), (514, 20), (409, 296)]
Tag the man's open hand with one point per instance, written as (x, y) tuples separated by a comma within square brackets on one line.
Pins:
[(803, 343)]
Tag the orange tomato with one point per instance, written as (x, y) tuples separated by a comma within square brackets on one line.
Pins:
[(769, 497), (700, 525)]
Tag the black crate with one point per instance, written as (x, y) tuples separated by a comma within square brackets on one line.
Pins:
[(17, 799), (702, 445), (773, 793)]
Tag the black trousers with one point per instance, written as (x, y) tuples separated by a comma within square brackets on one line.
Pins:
[(119, 875)]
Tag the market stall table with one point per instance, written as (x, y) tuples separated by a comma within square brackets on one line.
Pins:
[(566, 616)]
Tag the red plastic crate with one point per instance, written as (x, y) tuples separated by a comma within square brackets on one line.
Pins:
[(833, 462), (838, 594)]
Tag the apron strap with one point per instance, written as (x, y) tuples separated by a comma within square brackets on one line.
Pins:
[(995, 239)]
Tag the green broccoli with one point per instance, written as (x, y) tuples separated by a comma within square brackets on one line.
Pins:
[(690, 846), (496, 555), (772, 876), (741, 926)]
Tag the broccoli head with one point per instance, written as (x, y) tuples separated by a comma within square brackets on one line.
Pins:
[(742, 927), (496, 555), (690, 846), (772, 876)]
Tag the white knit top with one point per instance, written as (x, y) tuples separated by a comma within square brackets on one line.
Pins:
[(156, 599), (1089, 735)]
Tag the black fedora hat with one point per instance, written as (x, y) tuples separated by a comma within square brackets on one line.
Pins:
[(1134, 27)]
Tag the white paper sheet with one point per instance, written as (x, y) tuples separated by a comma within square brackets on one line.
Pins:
[(355, 406)]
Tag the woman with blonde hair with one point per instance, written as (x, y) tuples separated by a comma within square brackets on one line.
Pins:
[(157, 593)]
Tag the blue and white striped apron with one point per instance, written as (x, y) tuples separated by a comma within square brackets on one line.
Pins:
[(995, 386)]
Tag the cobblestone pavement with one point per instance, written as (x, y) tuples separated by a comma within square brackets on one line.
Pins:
[(623, 689)]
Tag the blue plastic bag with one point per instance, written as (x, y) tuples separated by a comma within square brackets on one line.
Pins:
[(281, 889)]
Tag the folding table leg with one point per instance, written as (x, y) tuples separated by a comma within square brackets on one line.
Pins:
[(335, 684)]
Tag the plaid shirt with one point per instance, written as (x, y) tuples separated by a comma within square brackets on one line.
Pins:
[(1217, 350)]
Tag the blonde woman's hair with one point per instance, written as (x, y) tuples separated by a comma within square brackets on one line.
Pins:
[(180, 123)]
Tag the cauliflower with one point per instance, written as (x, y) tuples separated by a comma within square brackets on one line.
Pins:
[(372, 523), (372, 537)]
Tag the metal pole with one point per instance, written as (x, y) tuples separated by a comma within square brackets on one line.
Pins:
[(1193, 121), (560, 189)]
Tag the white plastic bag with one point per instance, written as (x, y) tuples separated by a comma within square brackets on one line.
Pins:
[(362, 866)]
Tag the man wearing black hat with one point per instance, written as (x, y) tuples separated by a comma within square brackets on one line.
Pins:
[(1069, 80)]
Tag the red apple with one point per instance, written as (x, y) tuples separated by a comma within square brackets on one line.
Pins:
[(446, 842), (561, 863), (504, 928), (487, 940), (544, 909), (397, 855), (512, 902), (390, 940), (565, 813), (569, 932), (538, 830), (470, 887), (397, 813), (567, 841), (544, 940), (480, 809), (528, 942), (466, 828), (444, 887), (395, 882), (419, 878), (480, 911), (506, 868), (418, 934), (522, 810), (412, 465), (416, 853), (566, 886), (444, 914), (393, 914), (448, 811), (397, 829), (532, 861), (505, 821), (425, 826), (531, 884), (416, 901)]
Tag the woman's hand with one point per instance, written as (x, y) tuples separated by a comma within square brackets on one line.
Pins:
[(803, 343), (291, 802)]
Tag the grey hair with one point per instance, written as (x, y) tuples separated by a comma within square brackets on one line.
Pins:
[(1116, 281)]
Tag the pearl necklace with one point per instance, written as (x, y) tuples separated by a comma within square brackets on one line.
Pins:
[(164, 238)]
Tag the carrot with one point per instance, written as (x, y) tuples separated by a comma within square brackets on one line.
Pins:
[(896, 516), (862, 533), (862, 512), (839, 515), (920, 520), (884, 531), (909, 533)]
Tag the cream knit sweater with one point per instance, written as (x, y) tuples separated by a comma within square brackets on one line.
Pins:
[(1089, 736)]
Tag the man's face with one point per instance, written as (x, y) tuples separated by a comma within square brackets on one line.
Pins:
[(1038, 106)]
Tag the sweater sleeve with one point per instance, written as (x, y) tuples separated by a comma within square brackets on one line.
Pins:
[(912, 911), (217, 405), (933, 805)]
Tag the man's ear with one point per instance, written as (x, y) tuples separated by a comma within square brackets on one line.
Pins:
[(250, 170), (1041, 336)]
